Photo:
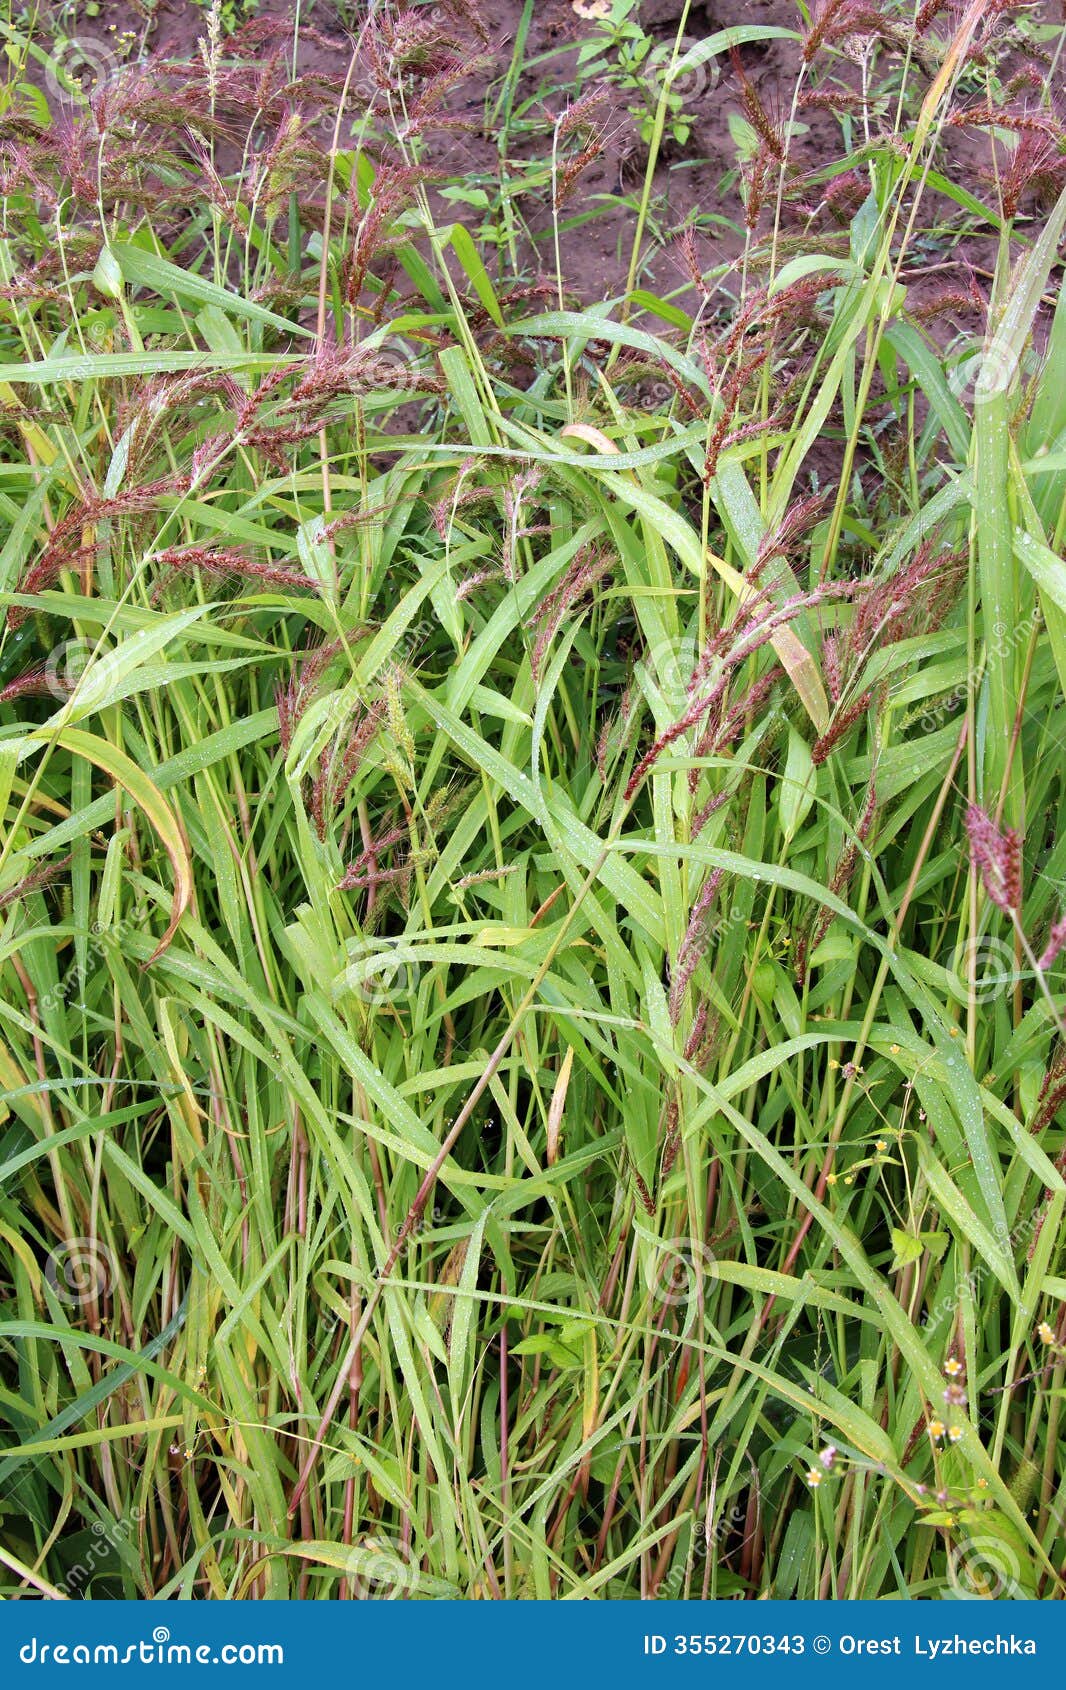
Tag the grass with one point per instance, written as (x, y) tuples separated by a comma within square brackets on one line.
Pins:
[(532, 1018)]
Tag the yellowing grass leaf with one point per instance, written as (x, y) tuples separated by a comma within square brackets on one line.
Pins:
[(147, 796), (557, 1105), (798, 663)]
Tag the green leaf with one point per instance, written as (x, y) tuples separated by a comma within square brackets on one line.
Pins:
[(148, 270), (798, 783), (905, 1248)]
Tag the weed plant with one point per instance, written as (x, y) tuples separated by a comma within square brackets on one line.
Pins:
[(531, 886)]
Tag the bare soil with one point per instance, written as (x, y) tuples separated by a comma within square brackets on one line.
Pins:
[(694, 182)]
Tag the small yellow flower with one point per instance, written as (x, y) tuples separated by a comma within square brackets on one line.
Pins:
[(936, 1429), (895, 1049), (831, 1179), (982, 1484), (881, 1146), (849, 1179), (953, 1367), (1044, 1333), (814, 1478), (955, 1433)]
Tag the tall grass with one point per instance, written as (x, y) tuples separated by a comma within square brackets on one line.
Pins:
[(532, 1030)]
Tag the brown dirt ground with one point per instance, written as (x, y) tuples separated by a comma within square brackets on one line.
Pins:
[(691, 182)]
